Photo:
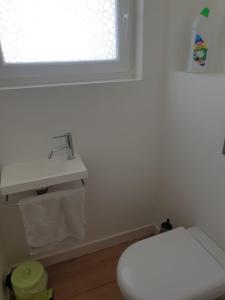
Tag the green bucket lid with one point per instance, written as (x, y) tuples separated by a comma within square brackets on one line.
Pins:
[(205, 12), (27, 275)]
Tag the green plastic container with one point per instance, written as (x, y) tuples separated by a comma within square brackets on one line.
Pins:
[(29, 281)]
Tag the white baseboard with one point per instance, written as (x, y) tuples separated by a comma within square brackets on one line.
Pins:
[(99, 244)]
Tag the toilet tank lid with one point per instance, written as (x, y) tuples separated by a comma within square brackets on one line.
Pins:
[(207, 243)]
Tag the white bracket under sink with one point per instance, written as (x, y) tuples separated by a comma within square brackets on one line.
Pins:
[(35, 175)]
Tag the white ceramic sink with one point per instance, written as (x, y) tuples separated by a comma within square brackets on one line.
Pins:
[(39, 174)]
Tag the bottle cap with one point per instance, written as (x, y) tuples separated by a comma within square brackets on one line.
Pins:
[(205, 12)]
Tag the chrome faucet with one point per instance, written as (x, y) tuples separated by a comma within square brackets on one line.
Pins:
[(68, 146)]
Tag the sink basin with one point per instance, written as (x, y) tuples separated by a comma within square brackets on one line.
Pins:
[(33, 175)]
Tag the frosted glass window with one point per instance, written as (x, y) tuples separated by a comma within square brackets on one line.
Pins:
[(44, 31)]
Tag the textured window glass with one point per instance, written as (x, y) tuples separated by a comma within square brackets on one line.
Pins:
[(58, 30)]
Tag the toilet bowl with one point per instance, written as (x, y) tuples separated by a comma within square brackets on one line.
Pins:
[(182, 264)]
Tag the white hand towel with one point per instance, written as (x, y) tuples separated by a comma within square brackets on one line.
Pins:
[(51, 218)]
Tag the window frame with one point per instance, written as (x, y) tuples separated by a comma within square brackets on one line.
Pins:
[(128, 66)]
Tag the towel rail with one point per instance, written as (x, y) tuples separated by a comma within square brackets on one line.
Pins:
[(17, 203)]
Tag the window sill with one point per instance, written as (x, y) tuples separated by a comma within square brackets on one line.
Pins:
[(15, 87)]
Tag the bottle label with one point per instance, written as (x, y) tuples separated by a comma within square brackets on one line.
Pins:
[(200, 51)]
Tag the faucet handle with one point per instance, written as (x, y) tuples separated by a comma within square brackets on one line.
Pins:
[(68, 145), (61, 136), (58, 137)]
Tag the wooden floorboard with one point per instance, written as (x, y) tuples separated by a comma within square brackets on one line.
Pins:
[(109, 291), (88, 277)]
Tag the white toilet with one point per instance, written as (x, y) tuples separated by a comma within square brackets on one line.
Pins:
[(178, 265)]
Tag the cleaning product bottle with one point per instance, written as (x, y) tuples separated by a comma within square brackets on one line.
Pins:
[(199, 43), (166, 226)]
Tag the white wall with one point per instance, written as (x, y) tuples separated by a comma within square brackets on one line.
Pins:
[(116, 129), (219, 30), (193, 168)]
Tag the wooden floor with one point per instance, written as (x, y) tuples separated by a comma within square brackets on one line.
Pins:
[(90, 277)]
